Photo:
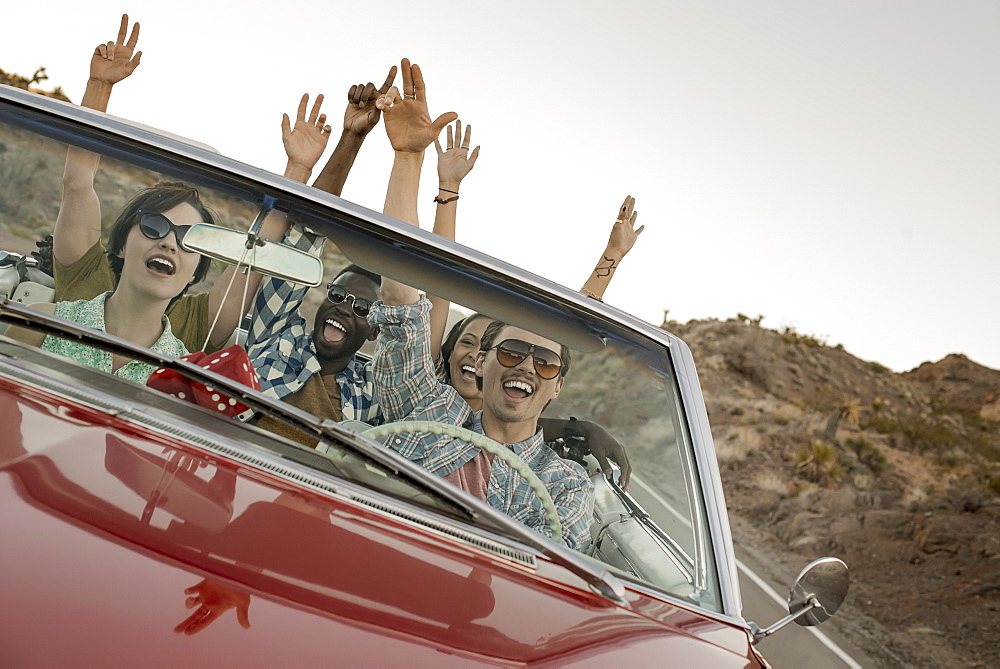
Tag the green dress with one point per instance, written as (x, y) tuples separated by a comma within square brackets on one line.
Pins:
[(90, 313)]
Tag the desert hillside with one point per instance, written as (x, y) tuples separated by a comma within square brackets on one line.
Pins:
[(897, 474)]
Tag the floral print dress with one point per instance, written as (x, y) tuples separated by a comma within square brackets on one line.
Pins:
[(90, 313)]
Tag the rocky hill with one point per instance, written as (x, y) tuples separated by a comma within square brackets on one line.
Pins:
[(897, 474)]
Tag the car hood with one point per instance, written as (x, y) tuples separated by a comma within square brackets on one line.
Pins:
[(117, 524)]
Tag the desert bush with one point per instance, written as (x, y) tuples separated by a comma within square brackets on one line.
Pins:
[(791, 336), (770, 481), (919, 433), (819, 462), (868, 454)]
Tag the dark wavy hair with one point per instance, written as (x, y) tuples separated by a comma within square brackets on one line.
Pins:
[(157, 199), (494, 328), (451, 340)]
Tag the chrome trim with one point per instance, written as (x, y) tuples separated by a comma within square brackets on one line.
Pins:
[(710, 479), (521, 557), (652, 591), (695, 494)]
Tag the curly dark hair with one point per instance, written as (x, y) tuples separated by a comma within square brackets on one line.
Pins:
[(451, 339)]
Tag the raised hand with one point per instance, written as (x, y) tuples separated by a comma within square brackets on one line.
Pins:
[(407, 123), (362, 115), (623, 232), (456, 162), (306, 141), (210, 600), (621, 241), (114, 61)]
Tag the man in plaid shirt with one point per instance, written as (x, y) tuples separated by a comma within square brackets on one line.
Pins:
[(514, 392), (513, 400), (314, 367)]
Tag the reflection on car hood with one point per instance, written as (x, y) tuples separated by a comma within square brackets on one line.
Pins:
[(102, 510)]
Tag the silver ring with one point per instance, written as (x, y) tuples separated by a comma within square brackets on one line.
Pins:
[(410, 97)]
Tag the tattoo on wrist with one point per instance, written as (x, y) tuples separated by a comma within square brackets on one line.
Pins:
[(603, 269)]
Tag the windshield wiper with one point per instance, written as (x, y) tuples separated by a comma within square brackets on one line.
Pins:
[(599, 578)]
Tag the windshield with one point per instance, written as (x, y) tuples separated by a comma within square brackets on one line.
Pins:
[(622, 386)]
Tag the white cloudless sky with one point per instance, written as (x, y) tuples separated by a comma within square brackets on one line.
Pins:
[(834, 166)]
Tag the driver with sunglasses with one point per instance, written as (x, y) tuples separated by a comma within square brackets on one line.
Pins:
[(519, 372)]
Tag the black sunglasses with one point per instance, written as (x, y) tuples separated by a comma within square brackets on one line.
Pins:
[(158, 226), (337, 294), (512, 352)]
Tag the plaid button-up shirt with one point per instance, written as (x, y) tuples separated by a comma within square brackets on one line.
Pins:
[(280, 343), (408, 389)]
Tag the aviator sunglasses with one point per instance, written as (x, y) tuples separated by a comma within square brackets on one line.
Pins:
[(337, 294), (158, 226), (512, 352)]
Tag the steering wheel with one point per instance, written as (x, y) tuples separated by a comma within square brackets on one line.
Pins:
[(485, 443)]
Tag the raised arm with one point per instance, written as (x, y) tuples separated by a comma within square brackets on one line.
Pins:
[(410, 130), (306, 141), (304, 144), (78, 224), (621, 241), (360, 117), (453, 165)]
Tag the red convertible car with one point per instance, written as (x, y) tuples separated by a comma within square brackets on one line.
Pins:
[(143, 530)]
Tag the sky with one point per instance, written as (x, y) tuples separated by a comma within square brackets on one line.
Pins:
[(832, 166)]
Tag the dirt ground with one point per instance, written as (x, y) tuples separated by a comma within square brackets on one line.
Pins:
[(896, 474)]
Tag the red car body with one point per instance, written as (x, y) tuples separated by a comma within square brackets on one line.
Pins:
[(95, 577)]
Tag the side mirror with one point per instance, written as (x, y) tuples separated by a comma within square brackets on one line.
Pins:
[(815, 596), (246, 249)]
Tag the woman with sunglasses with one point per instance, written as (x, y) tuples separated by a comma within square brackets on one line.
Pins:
[(151, 270), (145, 263)]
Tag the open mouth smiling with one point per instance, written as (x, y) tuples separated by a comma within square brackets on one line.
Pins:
[(333, 330), (516, 389), (162, 265)]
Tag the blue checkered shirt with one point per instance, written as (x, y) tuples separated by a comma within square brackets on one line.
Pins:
[(280, 343), (408, 388)]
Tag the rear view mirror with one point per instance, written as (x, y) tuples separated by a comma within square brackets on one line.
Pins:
[(264, 256)]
